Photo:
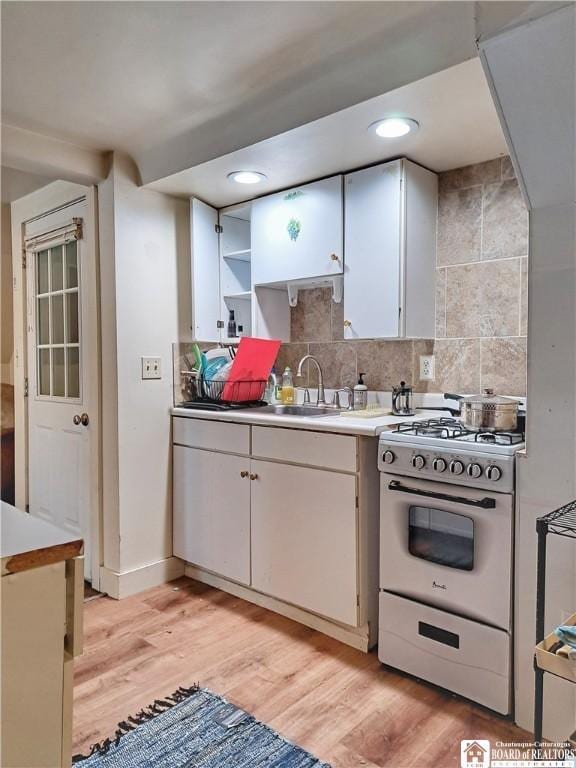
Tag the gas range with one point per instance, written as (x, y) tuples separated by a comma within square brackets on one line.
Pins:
[(442, 449)]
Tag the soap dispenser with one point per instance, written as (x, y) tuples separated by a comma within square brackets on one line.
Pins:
[(360, 394)]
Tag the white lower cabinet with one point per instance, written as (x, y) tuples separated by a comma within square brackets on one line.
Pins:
[(291, 514), (211, 526), (304, 538)]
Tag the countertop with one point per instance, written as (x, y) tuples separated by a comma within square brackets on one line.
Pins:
[(347, 425), (28, 542)]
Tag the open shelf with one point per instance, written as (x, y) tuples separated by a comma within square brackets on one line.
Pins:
[(560, 522), (241, 296), (243, 255)]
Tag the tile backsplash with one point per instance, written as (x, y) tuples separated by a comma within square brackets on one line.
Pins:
[(481, 299)]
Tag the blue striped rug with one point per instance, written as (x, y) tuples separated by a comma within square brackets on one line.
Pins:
[(194, 728)]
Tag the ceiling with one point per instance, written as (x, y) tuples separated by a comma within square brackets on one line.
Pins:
[(15, 184), (458, 126), (177, 84)]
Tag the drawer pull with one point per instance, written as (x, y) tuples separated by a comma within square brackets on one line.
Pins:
[(439, 635)]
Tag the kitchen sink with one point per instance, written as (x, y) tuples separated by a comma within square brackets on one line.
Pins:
[(299, 410)]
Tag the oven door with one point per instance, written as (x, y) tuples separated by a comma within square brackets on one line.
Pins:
[(448, 546)]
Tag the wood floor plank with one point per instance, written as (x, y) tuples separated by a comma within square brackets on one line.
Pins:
[(339, 703)]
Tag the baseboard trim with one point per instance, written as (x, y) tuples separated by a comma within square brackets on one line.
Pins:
[(121, 585), (357, 637)]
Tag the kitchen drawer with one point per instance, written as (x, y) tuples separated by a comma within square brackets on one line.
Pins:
[(464, 656), (317, 449), (211, 435)]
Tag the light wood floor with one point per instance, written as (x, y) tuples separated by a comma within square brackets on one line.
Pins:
[(340, 704)]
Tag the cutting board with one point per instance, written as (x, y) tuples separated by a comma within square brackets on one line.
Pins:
[(368, 413), (250, 369)]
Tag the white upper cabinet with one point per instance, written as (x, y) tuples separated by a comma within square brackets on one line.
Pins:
[(205, 271), (298, 234), (390, 251)]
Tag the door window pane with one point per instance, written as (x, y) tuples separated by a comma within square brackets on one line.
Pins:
[(42, 272), (57, 268), (44, 320), (71, 264), (44, 372), (73, 371), (58, 319), (441, 537), (58, 322), (58, 373), (72, 317)]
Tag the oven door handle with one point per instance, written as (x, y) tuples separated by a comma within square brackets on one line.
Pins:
[(484, 503)]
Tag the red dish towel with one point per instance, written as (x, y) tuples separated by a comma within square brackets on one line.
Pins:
[(250, 369)]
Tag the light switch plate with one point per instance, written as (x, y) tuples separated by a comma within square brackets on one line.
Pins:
[(427, 368), (151, 368)]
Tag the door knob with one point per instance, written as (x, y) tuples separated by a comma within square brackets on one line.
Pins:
[(334, 257), (347, 323), (253, 476), (244, 473), (83, 419)]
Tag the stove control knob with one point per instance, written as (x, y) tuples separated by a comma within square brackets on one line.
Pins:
[(418, 462), (456, 467), (388, 457), (474, 470), (439, 465), (493, 472)]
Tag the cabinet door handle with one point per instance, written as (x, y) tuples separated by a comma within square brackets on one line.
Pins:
[(253, 476), (334, 257), (347, 323), (244, 473)]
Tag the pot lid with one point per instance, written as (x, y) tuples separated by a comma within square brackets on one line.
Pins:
[(489, 398)]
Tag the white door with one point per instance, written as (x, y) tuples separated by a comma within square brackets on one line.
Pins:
[(372, 278), (63, 371), (298, 233), (304, 538), (211, 526), (205, 271)]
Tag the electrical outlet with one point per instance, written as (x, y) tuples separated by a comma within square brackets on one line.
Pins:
[(151, 368), (427, 368)]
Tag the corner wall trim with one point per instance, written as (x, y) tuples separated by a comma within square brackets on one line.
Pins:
[(121, 585)]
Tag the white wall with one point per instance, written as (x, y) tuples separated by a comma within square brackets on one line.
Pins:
[(7, 339), (145, 307), (532, 73)]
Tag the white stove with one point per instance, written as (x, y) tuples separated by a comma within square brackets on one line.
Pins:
[(442, 449), (446, 532)]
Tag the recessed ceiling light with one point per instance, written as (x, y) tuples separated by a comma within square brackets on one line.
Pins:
[(394, 127), (247, 177)]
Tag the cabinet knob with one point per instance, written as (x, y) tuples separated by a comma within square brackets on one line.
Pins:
[(334, 257), (347, 323), (253, 476), (244, 473)]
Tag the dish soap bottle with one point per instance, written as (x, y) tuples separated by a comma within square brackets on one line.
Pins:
[(361, 394), (287, 393)]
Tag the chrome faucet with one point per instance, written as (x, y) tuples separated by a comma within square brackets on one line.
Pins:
[(321, 396)]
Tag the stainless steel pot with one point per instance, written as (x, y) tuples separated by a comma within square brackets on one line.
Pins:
[(487, 412)]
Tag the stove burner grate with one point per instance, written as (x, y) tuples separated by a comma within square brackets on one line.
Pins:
[(447, 428)]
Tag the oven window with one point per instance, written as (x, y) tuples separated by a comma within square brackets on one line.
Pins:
[(441, 537)]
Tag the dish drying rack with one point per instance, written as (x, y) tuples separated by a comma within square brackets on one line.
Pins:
[(209, 393)]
